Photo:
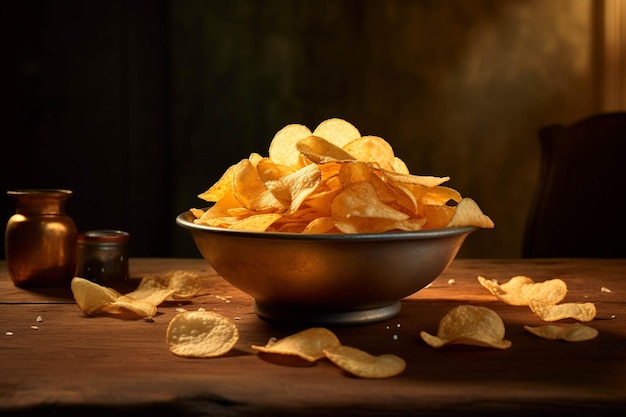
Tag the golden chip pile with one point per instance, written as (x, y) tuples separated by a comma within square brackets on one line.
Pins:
[(153, 290), (332, 180), (318, 342), (544, 299)]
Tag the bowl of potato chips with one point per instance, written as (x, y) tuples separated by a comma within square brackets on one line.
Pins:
[(330, 227)]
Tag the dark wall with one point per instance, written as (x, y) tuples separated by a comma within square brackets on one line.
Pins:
[(140, 105), (87, 92)]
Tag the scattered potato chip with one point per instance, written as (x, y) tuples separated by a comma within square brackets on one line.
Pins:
[(152, 290), (307, 173), (201, 334), (182, 284), (570, 332), (519, 290), (364, 365), (308, 344), (469, 325), (141, 308), (90, 297), (554, 312)]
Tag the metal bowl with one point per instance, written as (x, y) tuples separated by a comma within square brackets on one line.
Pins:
[(327, 279)]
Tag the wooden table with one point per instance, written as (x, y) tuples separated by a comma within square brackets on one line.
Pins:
[(70, 363)]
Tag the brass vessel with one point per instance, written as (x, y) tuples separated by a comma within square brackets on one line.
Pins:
[(40, 246)]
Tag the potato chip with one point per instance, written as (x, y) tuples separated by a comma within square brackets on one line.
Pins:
[(181, 285), (220, 209), (222, 187), (399, 166), (424, 180), (282, 148), (90, 297), (152, 291), (250, 191), (269, 170), (307, 344), (321, 151), (186, 284), (519, 290), (256, 222), (357, 172), (554, 312), (301, 184), (469, 325), (364, 365), (405, 199), (372, 149), (468, 213), (439, 195), (320, 225), (142, 308), (337, 131), (201, 334), (437, 216), (361, 200), (570, 332)]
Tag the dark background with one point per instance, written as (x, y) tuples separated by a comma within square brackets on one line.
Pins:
[(138, 106)]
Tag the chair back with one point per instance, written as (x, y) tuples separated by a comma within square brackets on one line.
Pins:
[(579, 207)]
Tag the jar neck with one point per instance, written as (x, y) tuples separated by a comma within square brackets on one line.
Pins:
[(40, 201)]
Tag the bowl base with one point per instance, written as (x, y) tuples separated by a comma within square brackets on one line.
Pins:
[(281, 314)]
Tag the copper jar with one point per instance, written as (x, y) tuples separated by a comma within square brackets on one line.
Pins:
[(40, 246)]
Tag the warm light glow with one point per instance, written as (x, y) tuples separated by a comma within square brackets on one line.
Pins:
[(614, 55)]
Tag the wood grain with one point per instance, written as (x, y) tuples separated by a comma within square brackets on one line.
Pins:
[(77, 364)]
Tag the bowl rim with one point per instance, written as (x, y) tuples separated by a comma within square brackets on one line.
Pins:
[(183, 220)]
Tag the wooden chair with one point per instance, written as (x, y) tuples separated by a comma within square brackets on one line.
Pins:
[(579, 207)]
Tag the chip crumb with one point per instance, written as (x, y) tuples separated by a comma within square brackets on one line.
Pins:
[(180, 309), (201, 309), (8, 333), (451, 281), (605, 289), (398, 325), (225, 298), (395, 337), (34, 327), (39, 319), (237, 318)]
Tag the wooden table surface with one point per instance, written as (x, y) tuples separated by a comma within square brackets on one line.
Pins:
[(98, 365)]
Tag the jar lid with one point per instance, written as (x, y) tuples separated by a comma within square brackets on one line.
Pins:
[(102, 236), (39, 192)]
